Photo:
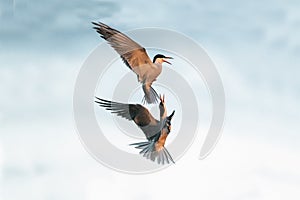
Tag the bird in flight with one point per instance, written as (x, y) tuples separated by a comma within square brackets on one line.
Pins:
[(156, 131), (136, 58)]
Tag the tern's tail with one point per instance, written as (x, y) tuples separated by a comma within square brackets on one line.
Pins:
[(150, 96), (148, 150)]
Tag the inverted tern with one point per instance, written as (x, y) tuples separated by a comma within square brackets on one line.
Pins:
[(136, 58), (156, 131)]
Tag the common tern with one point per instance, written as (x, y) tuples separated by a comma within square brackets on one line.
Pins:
[(156, 131), (136, 58)]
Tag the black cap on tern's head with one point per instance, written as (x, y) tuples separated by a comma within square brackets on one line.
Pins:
[(167, 125), (170, 116), (162, 58)]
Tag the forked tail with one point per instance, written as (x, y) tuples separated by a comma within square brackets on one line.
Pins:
[(151, 96), (148, 151)]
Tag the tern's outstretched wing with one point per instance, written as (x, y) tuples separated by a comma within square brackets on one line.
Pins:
[(136, 112), (131, 52)]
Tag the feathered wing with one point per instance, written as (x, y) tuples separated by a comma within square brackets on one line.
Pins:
[(132, 53), (127, 111), (139, 114)]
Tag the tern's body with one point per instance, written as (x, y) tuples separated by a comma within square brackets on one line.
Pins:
[(156, 131), (135, 57), (148, 74)]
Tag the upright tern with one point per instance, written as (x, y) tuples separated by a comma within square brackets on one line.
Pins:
[(136, 58), (155, 131)]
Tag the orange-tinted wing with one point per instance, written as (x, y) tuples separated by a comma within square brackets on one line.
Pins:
[(136, 112), (131, 52)]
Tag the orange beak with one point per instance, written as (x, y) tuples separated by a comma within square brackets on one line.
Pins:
[(167, 61)]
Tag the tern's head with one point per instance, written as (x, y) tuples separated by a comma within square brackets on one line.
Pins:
[(159, 59), (162, 107), (167, 125)]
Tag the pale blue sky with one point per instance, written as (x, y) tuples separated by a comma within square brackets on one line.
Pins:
[(256, 48)]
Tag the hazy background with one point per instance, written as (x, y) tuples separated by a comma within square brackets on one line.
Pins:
[(256, 47)]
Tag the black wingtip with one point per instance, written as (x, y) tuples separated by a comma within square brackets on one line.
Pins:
[(98, 23), (96, 26), (98, 98), (100, 101)]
